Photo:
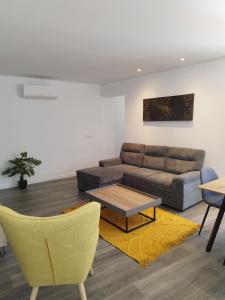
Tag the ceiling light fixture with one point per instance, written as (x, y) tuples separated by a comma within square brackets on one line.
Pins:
[(138, 70), (181, 59)]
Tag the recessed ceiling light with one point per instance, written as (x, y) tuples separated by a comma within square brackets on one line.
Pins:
[(138, 70), (182, 59)]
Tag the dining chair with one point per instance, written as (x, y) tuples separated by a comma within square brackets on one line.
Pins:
[(211, 198), (56, 250)]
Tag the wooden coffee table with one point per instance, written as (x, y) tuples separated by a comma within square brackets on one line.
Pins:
[(125, 201)]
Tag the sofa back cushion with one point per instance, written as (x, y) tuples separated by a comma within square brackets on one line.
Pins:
[(155, 157), (132, 154), (182, 160)]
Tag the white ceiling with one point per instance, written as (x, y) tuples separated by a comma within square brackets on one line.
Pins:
[(101, 41)]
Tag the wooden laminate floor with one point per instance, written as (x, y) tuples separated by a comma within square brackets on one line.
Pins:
[(186, 272)]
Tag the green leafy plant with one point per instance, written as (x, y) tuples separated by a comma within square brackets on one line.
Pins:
[(22, 165)]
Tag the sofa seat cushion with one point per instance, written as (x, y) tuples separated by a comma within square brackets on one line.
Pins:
[(104, 175), (153, 180), (162, 181), (140, 173)]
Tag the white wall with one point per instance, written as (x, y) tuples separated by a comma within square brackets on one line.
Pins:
[(67, 134), (206, 131), (113, 122)]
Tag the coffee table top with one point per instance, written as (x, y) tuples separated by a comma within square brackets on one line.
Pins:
[(125, 200)]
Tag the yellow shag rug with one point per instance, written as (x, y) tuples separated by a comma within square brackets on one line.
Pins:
[(148, 242)]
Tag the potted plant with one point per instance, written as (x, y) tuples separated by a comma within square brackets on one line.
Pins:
[(22, 165)]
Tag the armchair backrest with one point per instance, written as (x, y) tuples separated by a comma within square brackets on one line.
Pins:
[(53, 250), (207, 174)]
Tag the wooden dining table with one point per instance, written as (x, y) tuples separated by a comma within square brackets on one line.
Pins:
[(217, 186)]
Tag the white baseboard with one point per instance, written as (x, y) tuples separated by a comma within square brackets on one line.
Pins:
[(32, 180)]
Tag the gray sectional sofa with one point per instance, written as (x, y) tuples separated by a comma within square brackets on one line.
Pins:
[(173, 173)]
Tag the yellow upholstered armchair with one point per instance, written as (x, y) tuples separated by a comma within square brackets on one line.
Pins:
[(54, 250)]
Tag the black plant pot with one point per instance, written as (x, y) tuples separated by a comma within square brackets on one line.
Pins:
[(22, 184)]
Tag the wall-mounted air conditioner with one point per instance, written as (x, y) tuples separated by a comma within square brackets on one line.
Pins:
[(43, 92)]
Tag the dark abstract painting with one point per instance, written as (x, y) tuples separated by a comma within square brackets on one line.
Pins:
[(172, 108)]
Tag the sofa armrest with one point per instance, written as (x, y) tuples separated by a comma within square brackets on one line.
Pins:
[(185, 189), (110, 162), (187, 177)]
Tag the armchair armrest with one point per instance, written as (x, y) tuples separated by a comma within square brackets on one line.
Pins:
[(110, 162), (187, 177)]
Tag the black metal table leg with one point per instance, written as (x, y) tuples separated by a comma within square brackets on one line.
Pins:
[(216, 227), (127, 230), (154, 214), (126, 220)]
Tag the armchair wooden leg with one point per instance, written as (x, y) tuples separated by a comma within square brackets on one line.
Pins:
[(34, 292), (91, 271), (82, 291)]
